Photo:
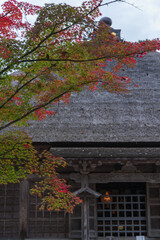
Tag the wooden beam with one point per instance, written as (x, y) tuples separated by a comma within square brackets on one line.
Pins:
[(24, 192), (118, 177), (123, 177), (104, 152)]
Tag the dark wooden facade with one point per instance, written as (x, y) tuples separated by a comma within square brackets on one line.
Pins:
[(121, 198), (112, 146)]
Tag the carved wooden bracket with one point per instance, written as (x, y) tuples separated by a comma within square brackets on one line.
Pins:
[(129, 168), (157, 163), (84, 167), (85, 188)]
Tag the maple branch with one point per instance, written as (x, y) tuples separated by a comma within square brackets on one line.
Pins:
[(54, 33), (29, 52), (33, 110), (34, 49), (45, 104), (82, 60), (20, 88), (10, 11), (17, 90), (6, 14), (3, 155), (6, 68)]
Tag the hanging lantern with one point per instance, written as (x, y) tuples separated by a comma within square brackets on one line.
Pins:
[(107, 198)]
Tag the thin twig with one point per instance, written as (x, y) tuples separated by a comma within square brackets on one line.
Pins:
[(124, 1)]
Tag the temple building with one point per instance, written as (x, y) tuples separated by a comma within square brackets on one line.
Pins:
[(112, 146)]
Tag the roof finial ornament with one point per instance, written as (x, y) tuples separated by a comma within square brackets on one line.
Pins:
[(106, 20)]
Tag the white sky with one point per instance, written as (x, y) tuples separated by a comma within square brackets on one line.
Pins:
[(135, 24)]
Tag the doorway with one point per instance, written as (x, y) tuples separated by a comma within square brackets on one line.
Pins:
[(121, 210)]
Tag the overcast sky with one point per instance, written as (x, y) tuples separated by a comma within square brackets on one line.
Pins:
[(135, 24)]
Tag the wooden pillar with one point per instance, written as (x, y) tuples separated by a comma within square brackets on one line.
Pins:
[(86, 192), (84, 184), (153, 206), (23, 211), (85, 218)]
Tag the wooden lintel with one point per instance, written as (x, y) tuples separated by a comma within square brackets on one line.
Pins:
[(123, 177), (118, 177)]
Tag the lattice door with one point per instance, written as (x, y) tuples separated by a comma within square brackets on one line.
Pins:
[(121, 215), (9, 210)]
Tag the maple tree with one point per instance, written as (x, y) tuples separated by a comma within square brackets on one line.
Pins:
[(65, 51), (18, 159)]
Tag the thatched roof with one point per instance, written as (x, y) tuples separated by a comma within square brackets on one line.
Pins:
[(106, 117)]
